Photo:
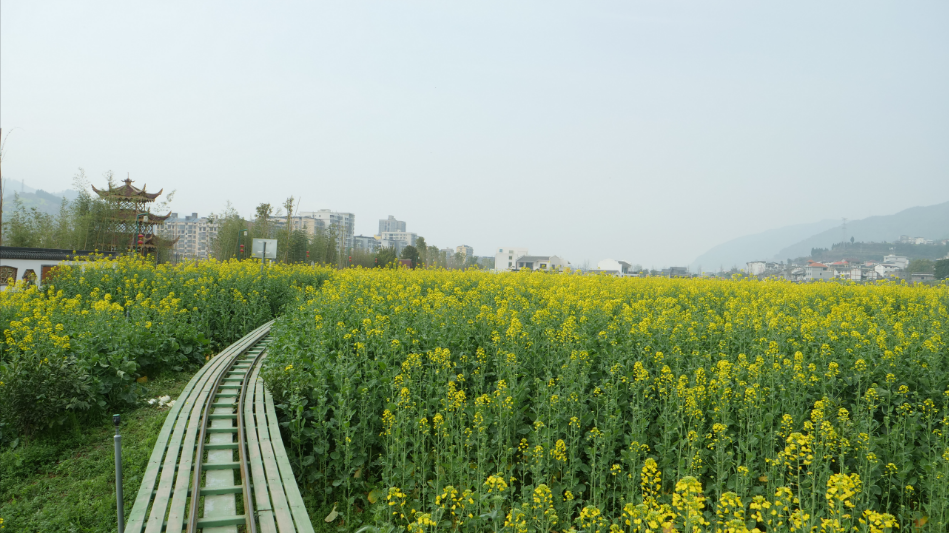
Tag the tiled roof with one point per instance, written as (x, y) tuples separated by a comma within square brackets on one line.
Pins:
[(49, 254)]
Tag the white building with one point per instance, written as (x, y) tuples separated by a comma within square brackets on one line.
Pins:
[(195, 235), (541, 262), (397, 239), (897, 260), (612, 266), (887, 270), (37, 264), (505, 258), (756, 268), (815, 271), (853, 273)]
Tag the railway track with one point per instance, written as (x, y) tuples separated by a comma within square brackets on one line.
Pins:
[(219, 465)]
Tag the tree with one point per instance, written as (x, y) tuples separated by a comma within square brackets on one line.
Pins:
[(941, 269), (288, 205), (262, 225), (363, 258), (324, 247), (920, 266), (410, 253), (226, 243), (422, 247), (385, 257), (297, 246)]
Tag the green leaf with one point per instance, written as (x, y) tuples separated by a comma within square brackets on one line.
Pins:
[(374, 495)]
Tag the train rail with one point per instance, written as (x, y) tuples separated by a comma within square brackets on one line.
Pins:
[(219, 465)]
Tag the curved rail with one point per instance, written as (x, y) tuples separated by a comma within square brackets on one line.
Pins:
[(189, 484)]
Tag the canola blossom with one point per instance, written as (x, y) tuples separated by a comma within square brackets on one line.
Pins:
[(78, 345), (466, 401)]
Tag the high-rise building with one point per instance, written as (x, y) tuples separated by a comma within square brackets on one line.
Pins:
[(323, 220), (398, 240), (465, 250), (195, 235), (365, 242), (390, 224)]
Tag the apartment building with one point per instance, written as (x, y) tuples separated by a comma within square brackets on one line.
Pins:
[(391, 224), (397, 239), (465, 250), (313, 221), (195, 235), (368, 243)]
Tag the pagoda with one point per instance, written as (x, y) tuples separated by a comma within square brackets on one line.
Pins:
[(130, 217)]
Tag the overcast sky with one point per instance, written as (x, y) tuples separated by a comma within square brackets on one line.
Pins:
[(644, 131)]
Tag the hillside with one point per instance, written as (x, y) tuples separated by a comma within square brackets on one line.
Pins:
[(760, 246), (43, 201), (931, 222), (874, 251)]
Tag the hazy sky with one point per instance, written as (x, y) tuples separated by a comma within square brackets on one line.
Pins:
[(645, 131)]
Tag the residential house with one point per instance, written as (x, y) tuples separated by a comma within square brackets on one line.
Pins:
[(541, 262), (897, 260), (816, 271), (614, 267), (888, 270), (505, 259), (756, 268), (676, 272)]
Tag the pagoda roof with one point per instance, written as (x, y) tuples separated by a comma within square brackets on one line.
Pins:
[(128, 191)]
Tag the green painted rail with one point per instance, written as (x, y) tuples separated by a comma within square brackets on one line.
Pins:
[(219, 464)]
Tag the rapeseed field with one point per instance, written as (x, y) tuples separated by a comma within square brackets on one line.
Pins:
[(432, 400), (77, 346)]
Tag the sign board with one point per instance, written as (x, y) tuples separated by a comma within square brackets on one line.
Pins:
[(259, 245)]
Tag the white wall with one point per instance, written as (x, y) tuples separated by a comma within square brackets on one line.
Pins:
[(757, 267), (22, 265), (505, 259), (813, 273), (898, 260)]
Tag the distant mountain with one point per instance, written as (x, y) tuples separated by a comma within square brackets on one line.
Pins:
[(11, 186), (930, 222), (758, 247), (43, 201)]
